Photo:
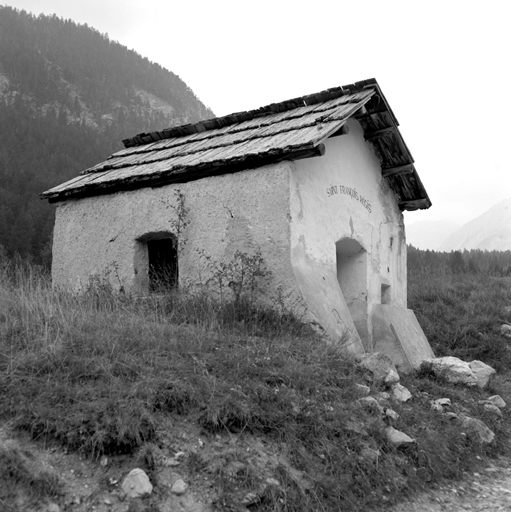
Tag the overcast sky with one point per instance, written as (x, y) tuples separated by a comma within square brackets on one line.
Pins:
[(444, 67)]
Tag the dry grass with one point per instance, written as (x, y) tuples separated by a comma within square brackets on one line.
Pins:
[(99, 372), (461, 314), (19, 473)]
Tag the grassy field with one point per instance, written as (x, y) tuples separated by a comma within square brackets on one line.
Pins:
[(102, 374)]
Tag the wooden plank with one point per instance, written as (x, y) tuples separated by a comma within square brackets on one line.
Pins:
[(415, 204), (181, 175), (379, 133), (398, 171)]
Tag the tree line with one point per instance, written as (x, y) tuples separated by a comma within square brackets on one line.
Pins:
[(68, 96), (475, 261)]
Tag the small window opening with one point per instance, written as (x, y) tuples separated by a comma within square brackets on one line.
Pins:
[(163, 268), (385, 294)]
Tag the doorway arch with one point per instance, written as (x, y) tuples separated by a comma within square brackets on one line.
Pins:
[(351, 260)]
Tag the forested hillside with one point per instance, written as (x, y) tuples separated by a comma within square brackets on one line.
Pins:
[(68, 96)]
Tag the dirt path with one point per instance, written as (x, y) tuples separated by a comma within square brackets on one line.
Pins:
[(488, 490)]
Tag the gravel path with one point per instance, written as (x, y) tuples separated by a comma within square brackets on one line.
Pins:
[(488, 491)]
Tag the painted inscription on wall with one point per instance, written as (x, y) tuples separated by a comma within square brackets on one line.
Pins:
[(348, 191)]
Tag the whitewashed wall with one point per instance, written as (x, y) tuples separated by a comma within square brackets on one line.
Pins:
[(294, 213), (338, 197)]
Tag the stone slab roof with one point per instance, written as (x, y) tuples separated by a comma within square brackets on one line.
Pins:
[(288, 130)]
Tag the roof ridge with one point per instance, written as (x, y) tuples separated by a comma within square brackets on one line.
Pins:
[(274, 108)]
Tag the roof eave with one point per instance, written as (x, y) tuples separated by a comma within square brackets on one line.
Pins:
[(185, 175)]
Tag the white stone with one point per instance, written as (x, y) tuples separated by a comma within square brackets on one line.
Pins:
[(392, 378), (505, 330), (493, 409), (362, 389), (483, 373), (497, 400), (400, 393), (393, 415), (137, 484), (380, 366), (452, 369), (398, 438), (477, 430), (179, 487), (250, 499), (440, 403)]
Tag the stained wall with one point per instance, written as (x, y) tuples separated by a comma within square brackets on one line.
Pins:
[(328, 228), (347, 235)]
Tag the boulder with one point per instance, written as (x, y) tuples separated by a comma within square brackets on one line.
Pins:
[(179, 487), (390, 413), (398, 438), (391, 378), (505, 330), (452, 370), (380, 366), (476, 430), (440, 403), (137, 484), (496, 400), (362, 389), (400, 393), (483, 373), (493, 409)]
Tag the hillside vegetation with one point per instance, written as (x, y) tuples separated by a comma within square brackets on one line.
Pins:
[(249, 388), (68, 96)]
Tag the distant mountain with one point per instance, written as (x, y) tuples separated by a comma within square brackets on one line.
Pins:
[(427, 234), (68, 96), (490, 231)]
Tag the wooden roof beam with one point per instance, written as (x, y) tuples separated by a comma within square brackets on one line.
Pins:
[(379, 133), (398, 171), (415, 204)]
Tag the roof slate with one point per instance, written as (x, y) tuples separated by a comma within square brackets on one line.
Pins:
[(288, 130)]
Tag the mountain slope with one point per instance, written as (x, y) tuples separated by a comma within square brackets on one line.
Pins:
[(68, 96), (490, 231), (427, 234)]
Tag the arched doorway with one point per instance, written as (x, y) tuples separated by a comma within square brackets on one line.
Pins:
[(352, 277)]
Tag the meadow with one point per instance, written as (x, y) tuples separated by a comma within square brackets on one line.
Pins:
[(102, 374)]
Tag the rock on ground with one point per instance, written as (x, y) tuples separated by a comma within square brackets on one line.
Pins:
[(137, 484), (451, 369), (400, 393), (483, 373), (398, 438), (179, 487), (477, 430), (380, 366)]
